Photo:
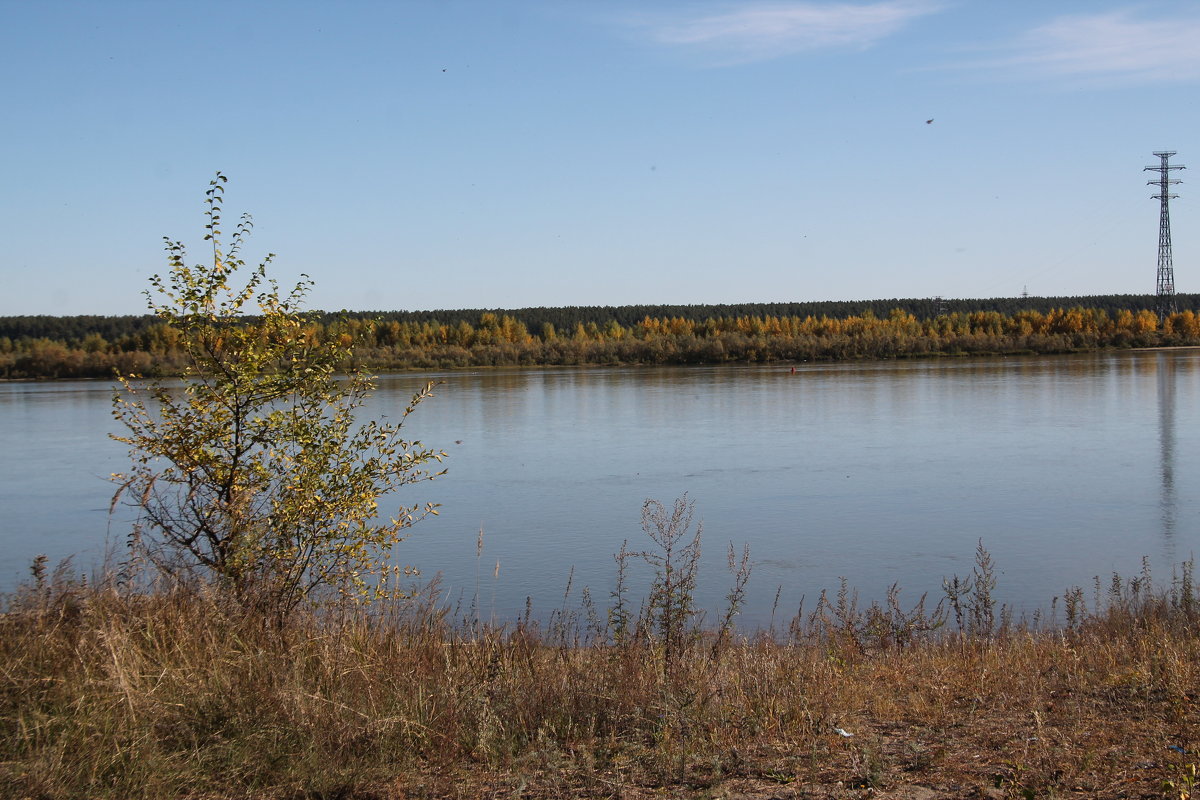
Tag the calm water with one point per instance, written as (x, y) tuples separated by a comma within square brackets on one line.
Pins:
[(1066, 467)]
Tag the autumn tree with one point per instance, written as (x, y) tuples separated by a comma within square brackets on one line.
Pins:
[(255, 472)]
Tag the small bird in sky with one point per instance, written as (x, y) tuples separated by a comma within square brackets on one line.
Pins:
[(928, 122)]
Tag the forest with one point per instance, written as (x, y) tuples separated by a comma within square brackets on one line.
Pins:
[(39, 347)]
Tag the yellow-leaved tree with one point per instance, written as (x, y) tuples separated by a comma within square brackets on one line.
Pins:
[(254, 471)]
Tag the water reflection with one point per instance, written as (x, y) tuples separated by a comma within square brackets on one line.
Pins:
[(1168, 507)]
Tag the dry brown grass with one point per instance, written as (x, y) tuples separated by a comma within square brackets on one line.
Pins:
[(124, 694)]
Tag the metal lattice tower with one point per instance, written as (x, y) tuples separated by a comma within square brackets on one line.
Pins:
[(1165, 287)]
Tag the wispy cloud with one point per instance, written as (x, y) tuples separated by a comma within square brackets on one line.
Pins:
[(763, 31), (1113, 47)]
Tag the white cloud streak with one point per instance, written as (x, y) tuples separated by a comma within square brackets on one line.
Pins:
[(1113, 47), (763, 31)]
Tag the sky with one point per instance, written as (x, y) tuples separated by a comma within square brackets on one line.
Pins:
[(454, 154)]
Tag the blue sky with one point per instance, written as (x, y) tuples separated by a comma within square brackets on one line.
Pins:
[(501, 154)]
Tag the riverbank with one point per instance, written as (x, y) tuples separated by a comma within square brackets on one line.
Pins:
[(119, 694), (501, 340)]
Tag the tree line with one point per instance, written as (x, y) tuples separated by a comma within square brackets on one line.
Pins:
[(114, 329), (81, 347)]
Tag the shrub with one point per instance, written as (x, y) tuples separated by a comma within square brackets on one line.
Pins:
[(257, 473)]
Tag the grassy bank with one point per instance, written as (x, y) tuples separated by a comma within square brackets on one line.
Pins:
[(109, 692)]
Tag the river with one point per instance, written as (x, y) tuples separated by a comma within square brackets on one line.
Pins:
[(1066, 467)]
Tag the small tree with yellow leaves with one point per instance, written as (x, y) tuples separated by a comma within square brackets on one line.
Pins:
[(255, 471)]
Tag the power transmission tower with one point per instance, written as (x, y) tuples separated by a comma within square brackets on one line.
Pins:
[(1165, 289)]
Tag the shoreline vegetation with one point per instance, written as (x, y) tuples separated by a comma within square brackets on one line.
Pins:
[(113, 688), (98, 347)]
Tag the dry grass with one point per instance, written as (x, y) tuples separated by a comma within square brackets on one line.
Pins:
[(124, 694)]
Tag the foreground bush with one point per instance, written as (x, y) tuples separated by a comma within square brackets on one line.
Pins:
[(255, 471)]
